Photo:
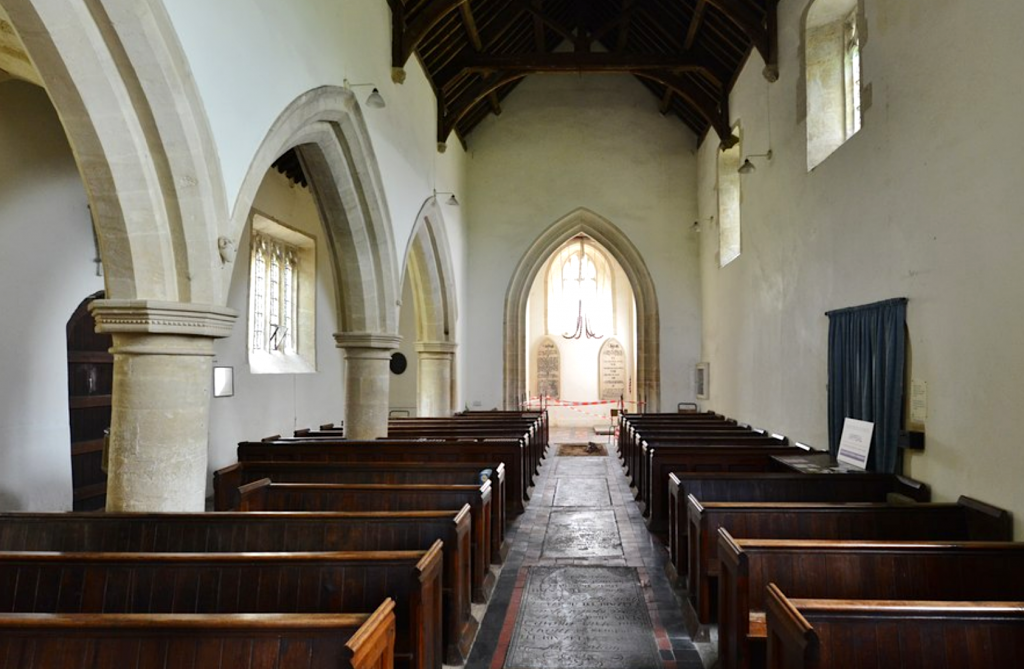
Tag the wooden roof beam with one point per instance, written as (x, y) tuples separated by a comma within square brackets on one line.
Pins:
[(666, 101), (763, 34), (584, 62), (698, 16), (627, 11), (550, 22), (405, 37), (447, 121), (538, 28), (474, 38), (714, 110)]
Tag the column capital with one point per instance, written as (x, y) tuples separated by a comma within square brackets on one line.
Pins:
[(164, 318), (436, 347), (371, 340)]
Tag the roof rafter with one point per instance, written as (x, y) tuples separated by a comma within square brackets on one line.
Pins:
[(405, 41), (714, 111), (586, 62)]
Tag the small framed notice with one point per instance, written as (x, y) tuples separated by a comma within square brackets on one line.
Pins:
[(855, 444)]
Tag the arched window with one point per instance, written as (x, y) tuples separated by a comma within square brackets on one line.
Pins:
[(729, 201), (282, 306), (579, 292), (832, 39)]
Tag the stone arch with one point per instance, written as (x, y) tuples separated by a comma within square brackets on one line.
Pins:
[(432, 278), (603, 231), (327, 129), (429, 268), (122, 87)]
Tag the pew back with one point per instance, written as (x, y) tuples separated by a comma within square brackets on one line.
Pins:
[(170, 641)]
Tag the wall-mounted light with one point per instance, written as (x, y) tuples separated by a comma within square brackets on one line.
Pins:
[(747, 167), (374, 99), (451, 202)]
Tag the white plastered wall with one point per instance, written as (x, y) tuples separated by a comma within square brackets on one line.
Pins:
[(565, 142), (925, 202), (46, 251), (251, 59)]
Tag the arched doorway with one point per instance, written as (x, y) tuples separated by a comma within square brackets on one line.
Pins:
[(618, 247)]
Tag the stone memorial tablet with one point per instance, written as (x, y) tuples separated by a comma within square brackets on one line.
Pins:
[(549, 370), (583, 618), (612, 370)]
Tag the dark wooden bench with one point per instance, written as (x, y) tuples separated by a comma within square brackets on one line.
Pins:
[(632, 425), (836, 634), (322, 582), (652, 473), (704, 458), (454, 430), (509, 452), (630, 444), (265, 495), (967, 520), (267, 532), (815, 569), (773, 487), (199, 641), (226, 482)]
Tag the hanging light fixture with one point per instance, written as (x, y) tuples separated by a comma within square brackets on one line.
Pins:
[(451, 201), (374, 99), (747, 167), (582, 318)]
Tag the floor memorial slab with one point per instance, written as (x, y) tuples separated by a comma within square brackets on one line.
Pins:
[(579, 491), (583, 618), (582, 533), (587, 467)]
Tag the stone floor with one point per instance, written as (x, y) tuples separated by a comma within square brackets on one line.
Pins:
[(584, 585)]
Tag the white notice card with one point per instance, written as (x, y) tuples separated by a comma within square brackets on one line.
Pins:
[(855, 444)]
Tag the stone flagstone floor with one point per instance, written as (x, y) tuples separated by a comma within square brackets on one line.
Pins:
[(584, 585)]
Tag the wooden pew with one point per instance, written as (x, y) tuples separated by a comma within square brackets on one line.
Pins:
[(882, 570), (967, 520), (199, 641), (41, 582), (268, 532), (773, 487), (841, 634), (226, 482), (264, 495), (509, 452), (653, 474), (451, 430), (704, 458), (630, 425)]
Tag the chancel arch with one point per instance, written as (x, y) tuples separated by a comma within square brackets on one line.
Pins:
[(579, 226)]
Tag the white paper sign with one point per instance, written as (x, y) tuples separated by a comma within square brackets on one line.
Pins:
[(855, 444), (918, 401)]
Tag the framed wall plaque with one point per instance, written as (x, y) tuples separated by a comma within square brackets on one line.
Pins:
[(702, 381)]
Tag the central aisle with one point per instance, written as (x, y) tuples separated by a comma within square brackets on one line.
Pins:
[(584, 585)]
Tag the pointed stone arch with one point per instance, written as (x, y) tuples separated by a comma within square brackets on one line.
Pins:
[(124, 92), (603, 231), (327, 130), (432, 276), (429, 268)]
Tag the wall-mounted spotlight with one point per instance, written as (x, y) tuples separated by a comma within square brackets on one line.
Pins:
[(374, 99), (451, 202), (747, 167)]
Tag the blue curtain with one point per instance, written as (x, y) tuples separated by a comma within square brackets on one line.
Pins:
[(866, 352)]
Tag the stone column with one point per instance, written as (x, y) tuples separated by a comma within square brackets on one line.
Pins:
[(163, 354), (367, 381), (434, 378)]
